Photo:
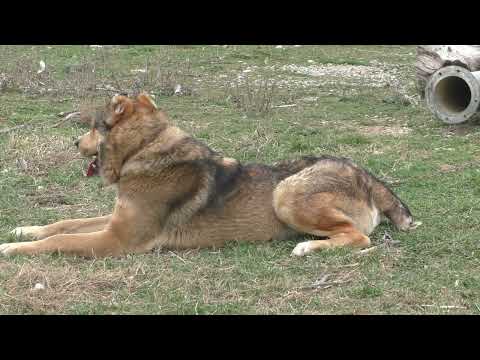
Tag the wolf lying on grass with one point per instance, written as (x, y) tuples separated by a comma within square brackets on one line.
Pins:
[(174, 192)]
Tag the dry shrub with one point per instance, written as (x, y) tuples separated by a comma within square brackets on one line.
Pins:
[(161, 80), (253, 96), (98, 72), (24, 76)]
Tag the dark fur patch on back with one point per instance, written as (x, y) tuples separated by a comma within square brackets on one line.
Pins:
[(226, 178), (287, 168), (223, 182), (208, 163), (182, 199)]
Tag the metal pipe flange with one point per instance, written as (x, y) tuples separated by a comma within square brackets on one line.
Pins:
[(453, 94)]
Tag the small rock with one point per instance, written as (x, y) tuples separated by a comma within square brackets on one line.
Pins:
[(39, 286), (22, 164)]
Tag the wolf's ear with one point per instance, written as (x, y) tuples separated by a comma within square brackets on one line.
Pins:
[(147, 101), (120, 106)]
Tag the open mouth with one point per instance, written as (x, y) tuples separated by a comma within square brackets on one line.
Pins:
[(93, 167)]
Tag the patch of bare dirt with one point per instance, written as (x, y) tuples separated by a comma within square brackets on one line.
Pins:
[(459, 130), (447, 168), (372, 76)]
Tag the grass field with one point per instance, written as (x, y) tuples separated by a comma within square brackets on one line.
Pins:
[(257, 104)]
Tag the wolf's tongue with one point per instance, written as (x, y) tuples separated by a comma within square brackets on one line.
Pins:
[(92, 167)]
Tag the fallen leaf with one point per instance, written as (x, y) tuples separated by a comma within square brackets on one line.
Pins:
[(42, 67), (178, 89), (447, 168)]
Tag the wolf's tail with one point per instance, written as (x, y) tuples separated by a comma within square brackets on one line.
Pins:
[(392, 206)]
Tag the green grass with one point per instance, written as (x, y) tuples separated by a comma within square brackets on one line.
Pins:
[(432, 166)]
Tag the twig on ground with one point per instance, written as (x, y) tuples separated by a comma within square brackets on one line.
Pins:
[(178, 256), (387, 242), (323, 282), (388, 239), (29, 125), (3, 131), (66, 113), (139, 267), (284, 106), (368, 250), (109, 89), (69, 116), (444, 306), (348, 265)]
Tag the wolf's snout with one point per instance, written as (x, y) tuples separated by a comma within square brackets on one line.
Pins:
[(76, 142)]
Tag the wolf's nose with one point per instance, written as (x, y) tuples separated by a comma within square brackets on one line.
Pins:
[(76, 142)]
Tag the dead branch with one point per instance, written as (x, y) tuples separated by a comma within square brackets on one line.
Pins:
[(69, 116), (444, 306), (387, 242), (368, 250), (348, 265), (323, 282), (178, 256), (4, 131)]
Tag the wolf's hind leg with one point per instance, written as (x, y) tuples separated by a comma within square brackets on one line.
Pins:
[(349, 237), (319, 214)]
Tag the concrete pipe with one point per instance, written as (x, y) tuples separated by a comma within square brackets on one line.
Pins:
[(453, 94)]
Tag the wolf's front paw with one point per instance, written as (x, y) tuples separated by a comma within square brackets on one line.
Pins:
[(34, 232), (8, 249)]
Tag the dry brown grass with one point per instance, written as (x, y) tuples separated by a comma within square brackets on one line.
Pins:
[(61, 288), (35, 155)]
